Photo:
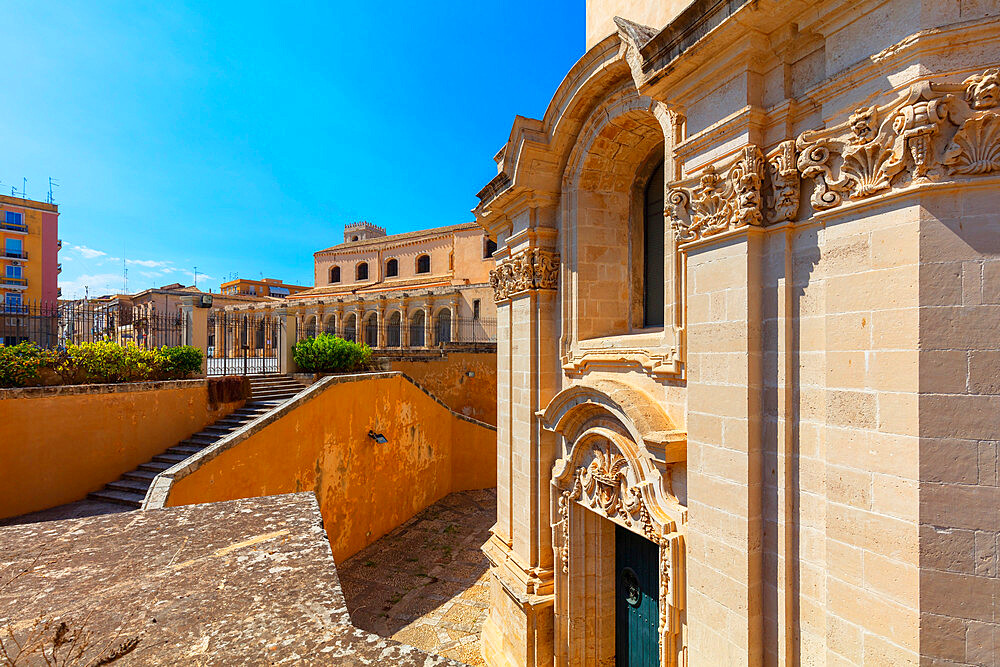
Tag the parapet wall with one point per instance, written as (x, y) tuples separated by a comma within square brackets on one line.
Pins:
[(61, 443), (465, 381), (320, 442)]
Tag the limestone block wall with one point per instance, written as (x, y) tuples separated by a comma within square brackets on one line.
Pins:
[(61, 443), (957, 407)]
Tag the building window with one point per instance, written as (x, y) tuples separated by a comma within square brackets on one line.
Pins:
[(475, 309), (13, 247), (424, 264), (391, 268), (491, 247), (12, 299), (652, 247), (361, 273), (335, 274), (14, 218), (354, 238), (13, 271)]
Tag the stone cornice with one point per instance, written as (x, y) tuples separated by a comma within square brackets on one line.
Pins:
[(932, 133)]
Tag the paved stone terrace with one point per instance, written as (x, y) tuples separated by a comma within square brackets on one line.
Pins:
[(234, 583), (425, 583)]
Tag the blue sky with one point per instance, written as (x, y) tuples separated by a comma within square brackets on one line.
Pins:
[(239, 137)]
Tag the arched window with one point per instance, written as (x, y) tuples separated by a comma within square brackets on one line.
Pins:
[(331, 324), (491, 247), (394, 331), (442, 333), (652, 256), (391, 268), (361, 273), (424, 264), (417, 329), (351, 327), (335, 274)]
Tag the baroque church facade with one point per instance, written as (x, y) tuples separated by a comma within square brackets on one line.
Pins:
[(748, 294)]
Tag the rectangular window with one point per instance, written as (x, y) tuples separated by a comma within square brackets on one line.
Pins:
[(13, 271), (14, 247), (14, 217), (475, 309), (12, 299)]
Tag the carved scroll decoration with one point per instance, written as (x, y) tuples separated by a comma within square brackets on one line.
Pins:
[(931, 132), (532, 269), (720, 204), (783, 199)]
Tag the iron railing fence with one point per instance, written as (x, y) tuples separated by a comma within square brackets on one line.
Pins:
[(398, 334), (55, 324), (242, 343)]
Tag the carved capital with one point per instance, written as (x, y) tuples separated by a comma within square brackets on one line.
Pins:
[(719, 204), (532, 269)]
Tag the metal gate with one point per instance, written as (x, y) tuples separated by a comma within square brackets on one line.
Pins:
[(242, 343)]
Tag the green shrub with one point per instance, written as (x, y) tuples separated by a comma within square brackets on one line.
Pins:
[(99, 362), (182, 360), (328, 354), (20, 364)]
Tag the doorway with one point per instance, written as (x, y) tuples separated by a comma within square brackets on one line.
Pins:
[(637, 596)]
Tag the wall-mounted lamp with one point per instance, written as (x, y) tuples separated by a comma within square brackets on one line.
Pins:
[(377, 437)]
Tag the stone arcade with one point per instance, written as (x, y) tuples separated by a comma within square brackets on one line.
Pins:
[(748, 284)]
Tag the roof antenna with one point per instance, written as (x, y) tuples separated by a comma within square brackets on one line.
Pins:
[(52, 183)]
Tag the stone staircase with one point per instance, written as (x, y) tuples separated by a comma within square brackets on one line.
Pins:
[(267, 393)]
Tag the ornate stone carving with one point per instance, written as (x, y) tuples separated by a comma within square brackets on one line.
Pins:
[(929, 132), (976, 146), (531, 269), (717, 205), (665, 568), (783, 201)]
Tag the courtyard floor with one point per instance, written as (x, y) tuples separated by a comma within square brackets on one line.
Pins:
[(425, 583)]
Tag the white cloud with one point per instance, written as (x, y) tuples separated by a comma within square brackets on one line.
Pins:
[(88, 253), (148, 263)]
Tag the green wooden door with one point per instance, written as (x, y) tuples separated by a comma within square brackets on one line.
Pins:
[(637, 600)]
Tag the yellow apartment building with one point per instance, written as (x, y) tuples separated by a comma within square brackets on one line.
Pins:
[(29, 252), (264, 287)]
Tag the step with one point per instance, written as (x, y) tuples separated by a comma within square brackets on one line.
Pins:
[(234, 422), (223, 429), (155, 466), (141, 474), (171, 458), (120, 497), (275, 396), (185, 450), (201, 439), (129, 485)]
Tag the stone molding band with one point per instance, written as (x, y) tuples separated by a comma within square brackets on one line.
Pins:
[(532, 269), (932, 133)]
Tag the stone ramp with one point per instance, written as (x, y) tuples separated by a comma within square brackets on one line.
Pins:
[(248, 581)]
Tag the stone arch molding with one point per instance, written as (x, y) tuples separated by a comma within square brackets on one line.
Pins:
[(608, 470)]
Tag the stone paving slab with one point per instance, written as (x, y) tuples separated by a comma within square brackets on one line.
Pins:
[(243, 582), (426, 582)]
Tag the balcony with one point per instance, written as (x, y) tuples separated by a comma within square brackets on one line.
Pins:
[(59, 267), (16, 283), (59, 244), (13, 227), (10, 254)]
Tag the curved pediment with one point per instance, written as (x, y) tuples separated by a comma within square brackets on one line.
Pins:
[(574, 409)]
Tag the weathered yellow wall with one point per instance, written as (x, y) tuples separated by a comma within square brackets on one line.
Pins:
[(60, 443), (365, 489), (448, 378)]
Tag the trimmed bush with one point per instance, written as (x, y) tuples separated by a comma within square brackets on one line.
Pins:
[(327, 353), (182, 360), (99, 362), (20, 364)]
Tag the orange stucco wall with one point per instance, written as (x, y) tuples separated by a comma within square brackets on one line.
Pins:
[(365, 489), (60, 443), (448, 378)]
